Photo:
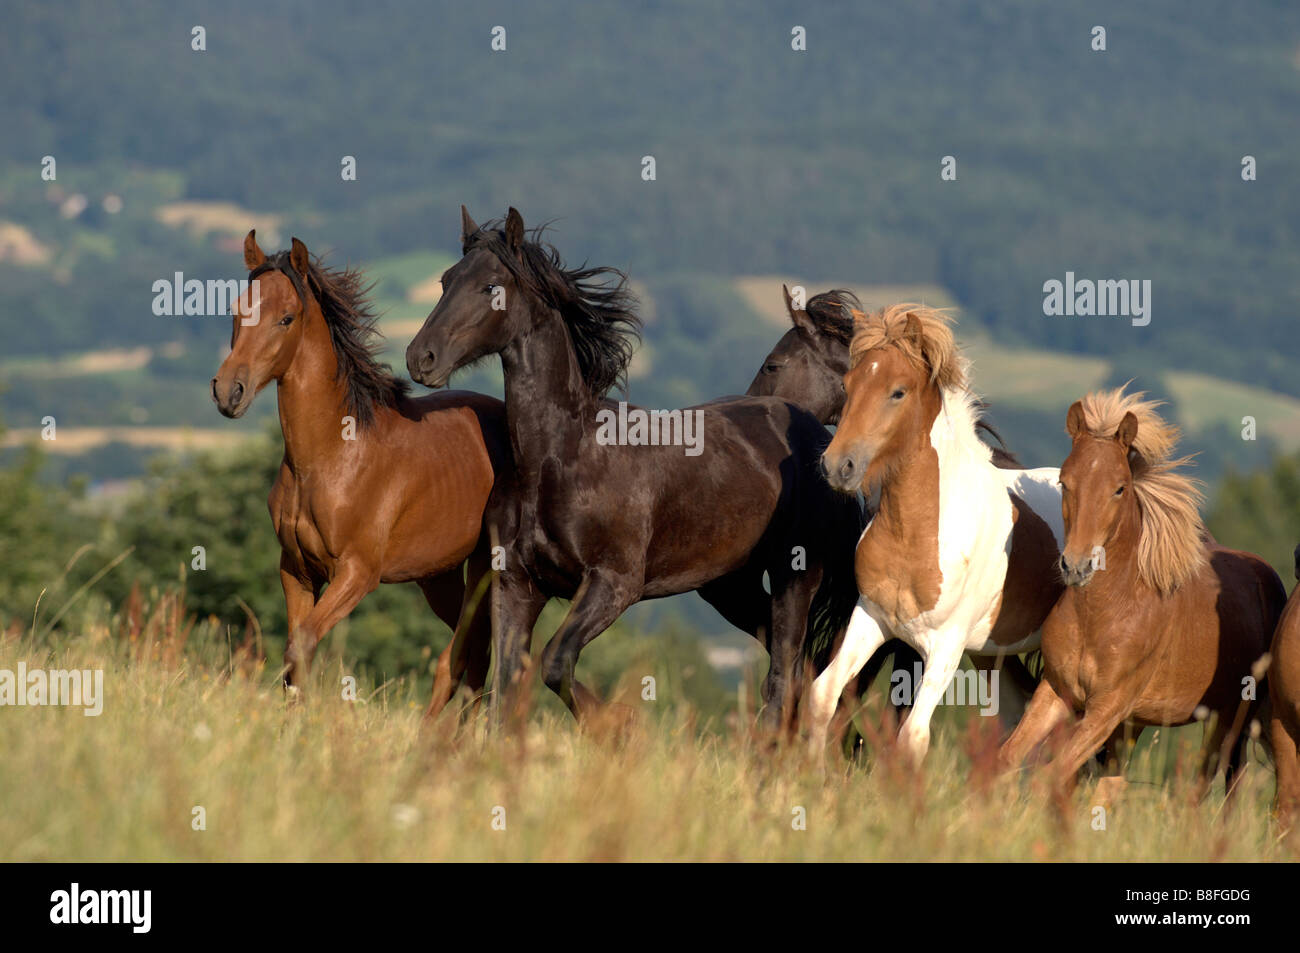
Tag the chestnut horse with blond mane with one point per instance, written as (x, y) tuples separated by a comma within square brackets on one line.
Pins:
[(1158, 625), (1284, 696), (961, 555), (395, 494)]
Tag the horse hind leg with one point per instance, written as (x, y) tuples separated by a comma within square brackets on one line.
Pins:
[(791, 602), (462, 604), (445, 594)]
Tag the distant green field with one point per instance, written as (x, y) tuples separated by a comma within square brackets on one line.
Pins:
[(689, 322)]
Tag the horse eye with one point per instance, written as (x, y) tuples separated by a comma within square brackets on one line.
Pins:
[(1120, 491), (286, 320), (771, 368), (489, 289), (898, 394)]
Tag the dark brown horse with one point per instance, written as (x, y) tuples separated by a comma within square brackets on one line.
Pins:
[(375, 487), (1158, 625), (608, 521)]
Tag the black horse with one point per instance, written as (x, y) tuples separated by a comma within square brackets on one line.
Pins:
[(608, 523)]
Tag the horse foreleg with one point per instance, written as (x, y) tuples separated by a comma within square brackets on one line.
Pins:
[(1285, 741), (1101, 716), (1046, 710), (942, 660), (860, 642), (599, 601), (515, 605), (350, 585), (299, 600)]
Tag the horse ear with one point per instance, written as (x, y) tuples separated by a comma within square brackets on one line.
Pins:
[(514, 228), (914, 331), (253, 256), (798, 316), (299, 258), (467, 226), (1074, 423), (1127, 432)]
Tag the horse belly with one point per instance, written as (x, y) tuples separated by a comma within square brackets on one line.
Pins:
[(1031, 584)]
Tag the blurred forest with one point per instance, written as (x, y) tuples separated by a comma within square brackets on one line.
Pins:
[(820, 165)]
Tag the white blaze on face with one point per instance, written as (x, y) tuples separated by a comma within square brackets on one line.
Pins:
[(874, 365)]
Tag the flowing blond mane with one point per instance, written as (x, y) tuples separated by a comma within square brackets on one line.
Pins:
[(929, 345), (1172, 547)]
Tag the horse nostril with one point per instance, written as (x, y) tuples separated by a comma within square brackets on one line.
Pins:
[(236, 392), (215, 398), (1065, 567), (846, 469)]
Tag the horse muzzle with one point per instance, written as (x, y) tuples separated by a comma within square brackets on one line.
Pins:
[(1077, 572), (423, 366), (232, 400), (844, 472)]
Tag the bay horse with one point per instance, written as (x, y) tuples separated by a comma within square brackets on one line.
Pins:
[(960, 556), (1284, 698), (807, 366), (1158, 624), (608, 523), (375, 486)]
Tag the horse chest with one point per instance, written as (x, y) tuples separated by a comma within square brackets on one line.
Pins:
[(894, 581), (299, 535), (548, 541)]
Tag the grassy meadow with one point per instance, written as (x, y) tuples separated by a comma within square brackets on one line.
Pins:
[(191, 720)]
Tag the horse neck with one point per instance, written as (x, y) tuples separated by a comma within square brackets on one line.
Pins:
[(311, 397), (546, 398)]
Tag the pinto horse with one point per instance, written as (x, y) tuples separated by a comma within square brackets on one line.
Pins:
[(1158, 624), (1284, 698), (608, 524), (960, 556), (807, 366), (375, 487)]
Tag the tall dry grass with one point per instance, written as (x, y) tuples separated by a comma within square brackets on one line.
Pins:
[(195, 720)]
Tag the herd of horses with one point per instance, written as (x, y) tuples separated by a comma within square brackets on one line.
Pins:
[(904, 531)]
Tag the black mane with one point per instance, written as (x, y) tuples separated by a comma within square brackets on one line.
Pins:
[(832, 313), (595, 303)]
